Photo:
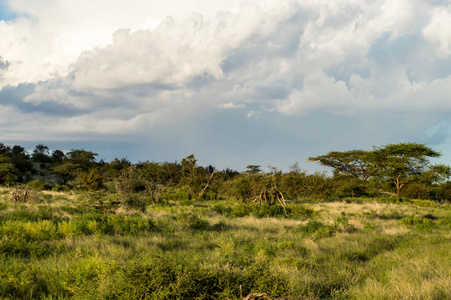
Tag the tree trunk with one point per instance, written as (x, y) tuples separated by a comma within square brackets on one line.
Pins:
[(398, 188)]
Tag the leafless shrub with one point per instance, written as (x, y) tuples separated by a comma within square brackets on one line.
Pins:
[(25, 194)]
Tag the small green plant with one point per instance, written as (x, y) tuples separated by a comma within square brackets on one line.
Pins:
[(39, 185), (101, 201), (60, 188), (425, 223), (318, 230), (193, 221)]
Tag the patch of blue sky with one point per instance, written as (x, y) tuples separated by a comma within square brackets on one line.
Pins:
[(5, 13)]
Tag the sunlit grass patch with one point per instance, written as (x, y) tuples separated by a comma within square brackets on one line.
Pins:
[(332, 250)]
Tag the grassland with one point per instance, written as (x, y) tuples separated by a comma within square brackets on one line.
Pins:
[(60, 247)]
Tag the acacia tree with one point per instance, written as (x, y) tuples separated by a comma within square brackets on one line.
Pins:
[(403, 163), (398, 163), (356, 163)]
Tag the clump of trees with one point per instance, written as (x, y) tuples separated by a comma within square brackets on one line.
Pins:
[(394, 164), (403, 169)]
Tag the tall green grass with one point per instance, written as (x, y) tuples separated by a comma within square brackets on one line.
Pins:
[(223, 250)]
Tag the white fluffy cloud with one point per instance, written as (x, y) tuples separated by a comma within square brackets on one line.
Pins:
[(49, 35), (438, 31)]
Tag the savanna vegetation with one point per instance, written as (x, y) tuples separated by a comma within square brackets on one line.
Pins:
[(77, 228)]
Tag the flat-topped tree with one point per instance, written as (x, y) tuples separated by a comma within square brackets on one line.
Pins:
[(403, 163), (399, 163), (253, 169), (355, 162)]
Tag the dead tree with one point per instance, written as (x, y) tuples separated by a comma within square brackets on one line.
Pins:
[(208, 183)]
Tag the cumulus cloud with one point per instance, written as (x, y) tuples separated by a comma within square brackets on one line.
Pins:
[(438, 31), (295, 57)]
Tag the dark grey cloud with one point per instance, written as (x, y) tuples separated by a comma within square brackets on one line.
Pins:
[(14, 96)]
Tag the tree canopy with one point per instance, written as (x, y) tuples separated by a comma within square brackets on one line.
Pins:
[(399, 163), (355, 162)]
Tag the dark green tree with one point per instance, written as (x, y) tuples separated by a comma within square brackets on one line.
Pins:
[(253, 169), (8, 173), (41, 153), (403, 163), (77, 161), (190, 175), (356, 163), (21, 160), (5, 149), (58, 156)]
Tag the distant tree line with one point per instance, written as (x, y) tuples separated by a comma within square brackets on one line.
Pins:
[(399, 169)]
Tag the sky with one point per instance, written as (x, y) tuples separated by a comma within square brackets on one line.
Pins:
[(233, 82)]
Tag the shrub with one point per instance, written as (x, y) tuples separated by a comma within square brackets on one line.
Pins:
[(39, 185), (25, 194), (60, 188), (318, 230), (172, 278), (101, 201), (261, 211), (127, 225), (301, 212), (425, 223), (416, 191), (221, 209), (193, 221), (91, 180), (350, 189)]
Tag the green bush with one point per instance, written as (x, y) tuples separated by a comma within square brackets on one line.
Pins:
[(130, 225), (39, 185), (262, 211), (241, 210), (186, 202), (60, 188), (3, 206), (193, 221), (350, 189), (221, 209), (416, 191), (297, 211), (170, 278), (425, 223), (43, 212), (318, 230)]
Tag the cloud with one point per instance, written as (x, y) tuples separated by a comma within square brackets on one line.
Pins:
[(294, 57), (438, 31), (4, 64), (231, 105), (84, 72), (45, 37)]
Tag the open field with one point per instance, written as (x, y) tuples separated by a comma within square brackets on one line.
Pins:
[(63, 248)]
